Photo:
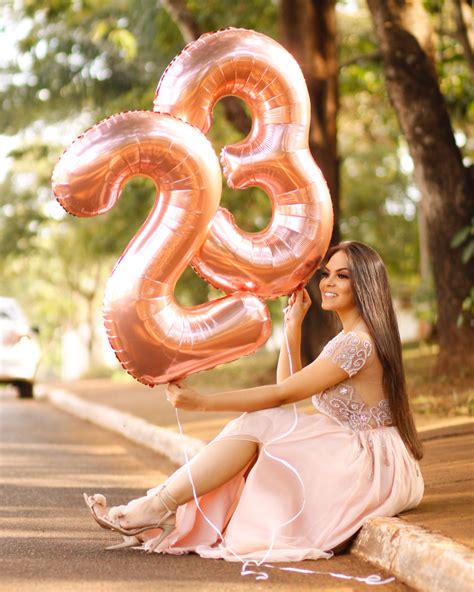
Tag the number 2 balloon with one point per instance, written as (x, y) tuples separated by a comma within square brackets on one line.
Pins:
[(154, 338)]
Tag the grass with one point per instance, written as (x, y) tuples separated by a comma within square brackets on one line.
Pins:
[(245, 372), (433, 393)]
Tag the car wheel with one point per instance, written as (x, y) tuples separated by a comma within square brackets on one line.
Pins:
[(25, 389)]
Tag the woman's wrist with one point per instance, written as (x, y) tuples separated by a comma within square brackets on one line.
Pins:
[(293, 326), (204, 403)]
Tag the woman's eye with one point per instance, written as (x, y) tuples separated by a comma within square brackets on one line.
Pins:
[(324, 274), (342, 276)]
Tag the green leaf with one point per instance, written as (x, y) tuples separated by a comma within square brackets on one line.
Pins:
[(468, 304), (468, 252), (100, 30), (125, 41), (460, 237)]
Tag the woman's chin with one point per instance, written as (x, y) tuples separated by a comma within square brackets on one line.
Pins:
[(330, 306)]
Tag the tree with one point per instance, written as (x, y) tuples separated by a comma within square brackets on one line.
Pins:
[(464, 30), (447, 185)]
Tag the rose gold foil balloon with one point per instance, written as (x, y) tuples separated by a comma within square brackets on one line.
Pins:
[(155, 339), (275, 156)]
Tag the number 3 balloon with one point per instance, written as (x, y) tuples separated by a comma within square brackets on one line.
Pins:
[(275, 156), (154, 338)]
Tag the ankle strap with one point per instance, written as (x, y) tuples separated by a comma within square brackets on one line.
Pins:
[(164, 491)]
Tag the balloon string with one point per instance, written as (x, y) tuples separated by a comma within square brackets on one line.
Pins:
[(195, 496), (285, 463), (280, 460), (372, 579)]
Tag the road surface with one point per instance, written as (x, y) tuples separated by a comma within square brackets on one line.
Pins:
[(50, 543)]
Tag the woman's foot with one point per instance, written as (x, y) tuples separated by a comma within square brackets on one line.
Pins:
[(97, 504), (146, 513)]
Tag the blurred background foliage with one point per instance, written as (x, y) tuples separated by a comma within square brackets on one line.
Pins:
[(67, 64)]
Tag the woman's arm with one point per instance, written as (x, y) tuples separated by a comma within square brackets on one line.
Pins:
[(298, 304), (292, 340), (318, 376)]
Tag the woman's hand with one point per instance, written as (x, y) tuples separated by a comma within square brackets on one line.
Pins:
[(299, 303), (183, 397)]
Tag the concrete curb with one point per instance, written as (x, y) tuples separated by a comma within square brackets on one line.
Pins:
[(161, 440), (449, 428), (427, 561)]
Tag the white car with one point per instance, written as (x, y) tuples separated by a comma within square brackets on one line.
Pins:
[(19, 349)]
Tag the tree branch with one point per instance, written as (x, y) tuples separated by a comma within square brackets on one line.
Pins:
[(465, 32), (373, 56), (190, 30), (183, 19)]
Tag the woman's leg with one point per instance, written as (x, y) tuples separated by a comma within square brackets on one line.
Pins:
[(216, 464), (213, 466)]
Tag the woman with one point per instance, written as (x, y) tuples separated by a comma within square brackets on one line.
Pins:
[(285, 486)]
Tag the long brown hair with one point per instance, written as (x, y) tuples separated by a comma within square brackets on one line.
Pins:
[(374, 301)]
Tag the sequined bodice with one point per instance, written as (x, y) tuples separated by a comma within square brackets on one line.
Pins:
[(342, 402), (338, 403)]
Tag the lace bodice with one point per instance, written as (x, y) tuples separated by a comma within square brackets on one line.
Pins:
[(351, 352), (338, 403)]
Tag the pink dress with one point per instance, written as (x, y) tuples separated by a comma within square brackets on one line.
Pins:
[(317, 478)]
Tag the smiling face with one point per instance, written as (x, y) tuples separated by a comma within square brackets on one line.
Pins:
[(336, 285)]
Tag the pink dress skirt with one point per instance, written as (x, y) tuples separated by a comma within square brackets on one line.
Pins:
[(306, 493), (316, 479)]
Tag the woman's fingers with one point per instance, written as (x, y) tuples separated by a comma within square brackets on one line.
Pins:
[(299, 302), (177, 393), (299, 296), (294, 297), (173, 391), (306, 298)]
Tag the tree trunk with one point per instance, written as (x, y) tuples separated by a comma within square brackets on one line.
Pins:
[(446, 185), (308, 31)]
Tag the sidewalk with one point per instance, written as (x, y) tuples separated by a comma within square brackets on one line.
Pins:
[(430, 548)]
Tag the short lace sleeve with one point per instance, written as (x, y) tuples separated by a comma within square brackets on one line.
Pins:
[(349, 351)]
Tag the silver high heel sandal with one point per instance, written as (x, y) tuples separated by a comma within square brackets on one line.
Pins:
[(98, 500), (166, 527), (126, 543), (130, 533)]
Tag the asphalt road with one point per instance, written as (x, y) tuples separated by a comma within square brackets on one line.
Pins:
[(49, 542)]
